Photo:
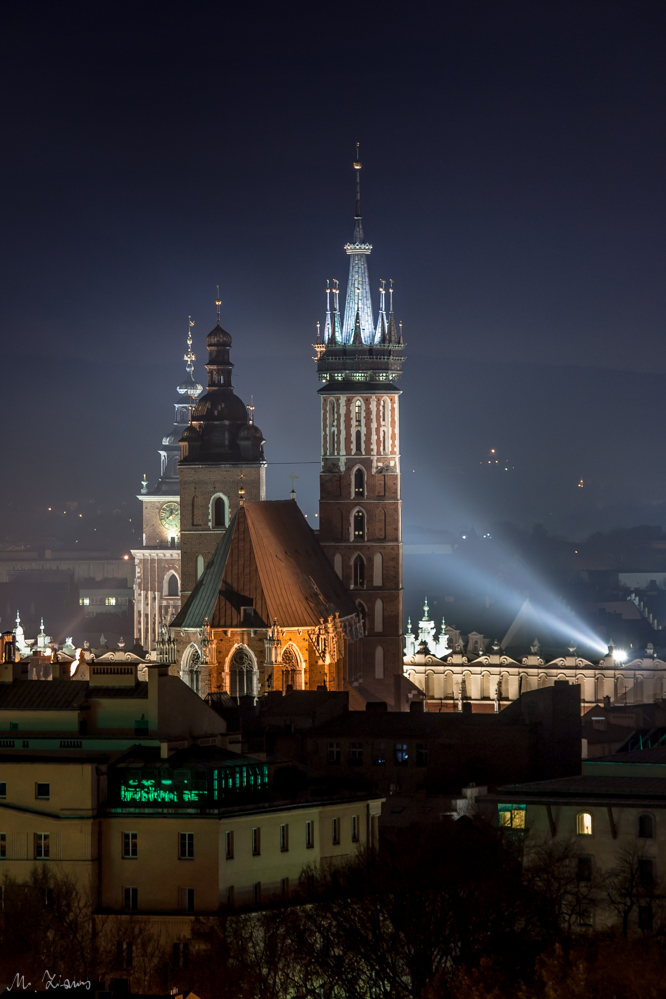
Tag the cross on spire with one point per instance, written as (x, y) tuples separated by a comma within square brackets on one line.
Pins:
[(218, 303), (293, 478)]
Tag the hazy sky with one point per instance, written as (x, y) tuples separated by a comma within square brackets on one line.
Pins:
[(513, 188)]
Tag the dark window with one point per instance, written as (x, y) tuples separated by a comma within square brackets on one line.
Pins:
[(125, 953), (42, 790), (645, 917), (359, 482), (356, 754), (358, 442), (3, 789), (355, 826), (256, 842), (229, 838), (333, 752), (336, 832), (257, 892), (3, 846), (359, 524), (284, 837), (83, 726), (13, 726), (645, 827), (646, 872), (585, 868), (422, 754), (130, 845), (585, 915), (186, 846), (181, 955), (247, 613), (378, 754), (359, 571), (309, 834), (130, 899), (218, 513), (400, 754), (186, 899), (172, 588)]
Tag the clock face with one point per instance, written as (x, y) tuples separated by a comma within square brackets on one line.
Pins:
[(170, 516)]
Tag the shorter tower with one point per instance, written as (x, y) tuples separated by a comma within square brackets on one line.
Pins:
[(221, 452), (157, 573)]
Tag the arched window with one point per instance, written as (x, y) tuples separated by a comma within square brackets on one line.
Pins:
[(358, 412), (430, 684), (200, 566), (448, 685), (377, 570), (331, 427), (173, 589), (359, 483), (379, 663), (292, 673), (599, 693), (359, 525), (363, 611), (645, 827), (379, 616), (383, 442), (359, 449), (381, 523), (638, 690), (190, 668), (242, 673), (383, 410), (505, 686), (358, 573), (485, 686), (584, 824), (219, 511), (337, 564), (619, 690)]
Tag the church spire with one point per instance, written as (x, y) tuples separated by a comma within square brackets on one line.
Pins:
[(327, 326), (358, 252), (392, 329), (381, 333)]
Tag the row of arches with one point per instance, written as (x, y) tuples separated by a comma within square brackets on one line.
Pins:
[(359, 569), (358, 426), (242, 670), (218, 511)]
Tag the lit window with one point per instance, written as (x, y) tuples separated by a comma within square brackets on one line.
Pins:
[(359, 524), (401, 756), (584, 824), (359, 483), (84, 601), (358, 409), (110, 601), (511, 816)]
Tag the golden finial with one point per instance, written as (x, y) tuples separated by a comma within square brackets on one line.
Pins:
[(218, 303)]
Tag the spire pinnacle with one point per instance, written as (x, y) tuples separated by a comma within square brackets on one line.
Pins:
[(357, 167), (250, 410), (218, 303), (358, 251)]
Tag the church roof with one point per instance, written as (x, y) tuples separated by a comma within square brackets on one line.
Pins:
[(271, 559)]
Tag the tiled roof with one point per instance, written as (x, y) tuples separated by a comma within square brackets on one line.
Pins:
[(588, 787), (42, 695), (269, 557)]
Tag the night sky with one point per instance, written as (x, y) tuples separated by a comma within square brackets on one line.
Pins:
[(513, 188)]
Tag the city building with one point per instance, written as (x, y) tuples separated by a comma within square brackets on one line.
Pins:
[(157, 576), (360, 507), (451, 672)]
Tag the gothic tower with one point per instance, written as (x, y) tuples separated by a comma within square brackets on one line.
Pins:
[(157, 572), (360, 515), (221, 453)]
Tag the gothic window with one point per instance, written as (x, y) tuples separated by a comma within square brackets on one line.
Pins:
[(383, 442), (379, 663), (219, 512), (362, 609), (358, 566), (359, 482), (331, 427), (383, 410), (358, 412), (291, 669), (359, 525), (200, 566), (377, 570), (242, 673), (173, 589), (190, 669), (379, 616), (358, 445)]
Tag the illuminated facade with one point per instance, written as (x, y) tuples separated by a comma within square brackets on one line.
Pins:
[(157, 577), (222, 458), (360, 514)]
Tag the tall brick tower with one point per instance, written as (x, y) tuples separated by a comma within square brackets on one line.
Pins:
[(221, 451), (360, 509)]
